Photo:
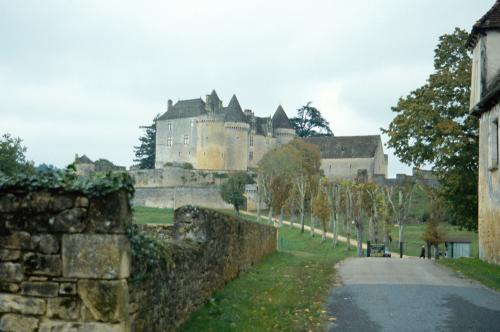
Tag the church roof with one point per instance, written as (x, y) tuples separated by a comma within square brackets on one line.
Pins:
[(280, 119), (339, 147), (83, 160), (234, 112), (185, 109), (489, 21)]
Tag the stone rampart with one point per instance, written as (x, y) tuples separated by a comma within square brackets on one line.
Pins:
[(205, 250), (64, 261)]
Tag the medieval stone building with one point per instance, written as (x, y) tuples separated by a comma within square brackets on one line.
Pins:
[(485, 104), (213, 137), (346, 157)]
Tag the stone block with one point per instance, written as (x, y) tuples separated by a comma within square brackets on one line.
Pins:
[(106, 300), (38, 201), (18, 323), (11, 272), (41, 289), (95, 256), (16, 240), (82, 202), (45, 265), (67, 288), (59, 326), (8, 203), (61, 203), (45, 243), (111, 214), (9, 254), (65, 308), (9, 287), (11, 303), (69, 221)]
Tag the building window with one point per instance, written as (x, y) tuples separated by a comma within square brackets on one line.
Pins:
[(186, 139), (251, 140), (169, 125), (250, 155), (192, 123), (169, 141), (494, 146)]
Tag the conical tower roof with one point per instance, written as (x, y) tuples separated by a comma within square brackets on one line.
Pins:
[(280, 119), (234, 112)]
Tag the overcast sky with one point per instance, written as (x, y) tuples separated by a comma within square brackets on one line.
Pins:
[(82, 76)]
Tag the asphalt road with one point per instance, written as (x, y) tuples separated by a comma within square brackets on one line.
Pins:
[(392, 294)]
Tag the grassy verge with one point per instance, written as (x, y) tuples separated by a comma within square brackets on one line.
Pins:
[(148, 215), (284, 292), (476, 269)]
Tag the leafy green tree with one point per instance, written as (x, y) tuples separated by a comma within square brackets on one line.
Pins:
[(12, 158), (432, 126), (145, 153), (309, 122), (321, 207), (233, 188)]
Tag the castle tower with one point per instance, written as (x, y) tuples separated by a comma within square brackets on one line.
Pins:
[(283, 129), (237, 129)]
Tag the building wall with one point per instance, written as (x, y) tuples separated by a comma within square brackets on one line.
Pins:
[(347, 168), (236, 156), (489, 192), (492, 55), (379, 162), (179, 151), (283, 136), (261, 145), (211, 144)]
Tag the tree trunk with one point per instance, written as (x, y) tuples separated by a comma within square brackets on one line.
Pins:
[(401, 226), (258, 207), (335, 231), (370, 230), (436, 252), (348, 232), (312, 222), (359, 235), (302, 214), (292, 219), (281, 216), (270, 215), (429, 254)]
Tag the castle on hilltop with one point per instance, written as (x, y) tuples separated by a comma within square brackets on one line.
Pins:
[(213, 137)]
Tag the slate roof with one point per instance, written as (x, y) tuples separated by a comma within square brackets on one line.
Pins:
[(214, 100), (339, 147), (490, 20), (233, 111), (280, 119), (185, 109), (83, 160), (261, 127)]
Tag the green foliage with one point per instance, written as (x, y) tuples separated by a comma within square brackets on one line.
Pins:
[(433, 126), (145, 153), (187, 166), (12, 158), (309, 122), (474, 268), (149, 215), (98, 185), (233, 189), (321, 209)]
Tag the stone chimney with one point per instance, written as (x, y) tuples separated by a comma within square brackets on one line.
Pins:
[(169, 104)]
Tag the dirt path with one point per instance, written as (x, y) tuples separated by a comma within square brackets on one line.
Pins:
[(409, 294)]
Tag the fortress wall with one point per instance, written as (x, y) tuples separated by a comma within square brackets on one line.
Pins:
[(261, 145), (210, 145), (64, 261), (283, 136), (171, 177), (346, 168), (173, 197), (205, 250), (178, 152), (236, 157)]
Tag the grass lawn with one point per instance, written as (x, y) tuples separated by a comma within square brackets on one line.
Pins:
[(148, 215), (474, 268), (284, 292)]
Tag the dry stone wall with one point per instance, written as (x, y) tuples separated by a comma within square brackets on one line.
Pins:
[(64, 262), (206, 250)]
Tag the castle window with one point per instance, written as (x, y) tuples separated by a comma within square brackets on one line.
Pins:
[(192, 123), (251, 140), (186, 139), (493, 146), (250, 155), (169, 125), (169, 141)]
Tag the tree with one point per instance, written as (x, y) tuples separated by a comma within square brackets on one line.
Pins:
[(321, 208), (12, 158), (233, 188), (433, 126), (145, 153), (309, 122)]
